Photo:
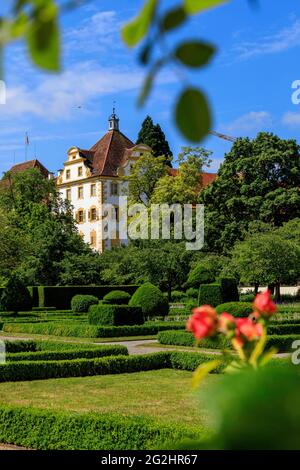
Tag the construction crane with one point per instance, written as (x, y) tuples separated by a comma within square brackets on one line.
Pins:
[(223, 136)]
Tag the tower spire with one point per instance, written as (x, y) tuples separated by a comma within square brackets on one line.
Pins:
[(113, 120)]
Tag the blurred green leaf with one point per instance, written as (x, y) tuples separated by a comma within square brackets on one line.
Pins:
[(193, 115), (196, 6), (203, 370), (173, 18), (194, 53), (134, 31), (147, 85), (44, 44)]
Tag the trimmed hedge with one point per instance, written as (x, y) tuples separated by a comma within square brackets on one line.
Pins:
[(151, 300), (40, 370), (60, 296), (210, 294), (178, 296), (82, 303), (89, 331), (236, 309), (183, 338), (192, 293), (76, 353), (284, 329), (51, 430), (115, 315), (229, 289), (116, 297), (15, 297)]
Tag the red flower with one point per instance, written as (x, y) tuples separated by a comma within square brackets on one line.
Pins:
[(226, 323), (203, 322), (246, 330), (264, 305)]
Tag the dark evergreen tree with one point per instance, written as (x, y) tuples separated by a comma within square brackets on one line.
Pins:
[(152, 134)]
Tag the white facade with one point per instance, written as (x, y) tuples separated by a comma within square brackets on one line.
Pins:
[(88, 194)]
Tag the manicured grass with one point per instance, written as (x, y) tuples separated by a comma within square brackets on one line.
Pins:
[(165, 395)]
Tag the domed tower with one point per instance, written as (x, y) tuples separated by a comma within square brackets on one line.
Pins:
[(113, 121)]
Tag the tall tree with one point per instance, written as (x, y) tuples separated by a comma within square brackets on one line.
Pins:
[(266, 259), (184, 187), (258, 181), (151, 134)]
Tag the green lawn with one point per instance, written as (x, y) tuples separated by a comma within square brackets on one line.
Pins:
[(165, 395)]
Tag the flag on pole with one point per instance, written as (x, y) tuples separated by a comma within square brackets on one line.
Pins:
[(26, 139)]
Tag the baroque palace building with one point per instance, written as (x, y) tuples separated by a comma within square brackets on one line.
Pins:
[(94, 177), (91, 178)]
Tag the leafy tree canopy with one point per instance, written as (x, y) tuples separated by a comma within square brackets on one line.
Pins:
[(258, 182)]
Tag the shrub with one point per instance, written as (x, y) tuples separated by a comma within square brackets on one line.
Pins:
[(210, 294), (236, 309), (200, 275), (192, 293), (116, 297), (68, 354), (115, 315), (184, 338), (247, 297), (89, 331), (82, 303), (15, 297), (59, 430), (177, 296), (61, 296), (229, 290), (284, 329), (151, 300)]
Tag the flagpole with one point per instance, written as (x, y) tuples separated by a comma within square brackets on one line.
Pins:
[(26, 145)]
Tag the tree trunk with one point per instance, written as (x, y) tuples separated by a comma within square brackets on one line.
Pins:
[(256, 287), (271, 288), (277, 292)]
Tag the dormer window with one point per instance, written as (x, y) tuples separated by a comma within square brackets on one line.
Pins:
[(114, 189)]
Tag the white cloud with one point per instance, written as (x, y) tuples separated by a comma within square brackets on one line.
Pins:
[(280, 41), (291, 119), (252, 121)]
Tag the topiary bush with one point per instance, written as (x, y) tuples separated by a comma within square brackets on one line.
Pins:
[(192, 293), (15, 297), (236, 309), (178, 296), (200, 275), (151, 300), (115, 315), (229, 289), (210, 294), (82, 303), (116, 297)]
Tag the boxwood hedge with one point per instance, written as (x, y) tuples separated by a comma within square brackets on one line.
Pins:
[(58, 430), (90, 331), (115, 315)]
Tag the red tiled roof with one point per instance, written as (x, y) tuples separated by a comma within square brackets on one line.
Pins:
[(29, 165), (207, 178), (108, 154)]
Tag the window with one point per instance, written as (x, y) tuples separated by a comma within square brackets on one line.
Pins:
[(93, 214), (80, 192), (68, 195), (113, 189), (80, 216), (93, 238), (68, 174), (117, 213), (80, 171), (93, 190)]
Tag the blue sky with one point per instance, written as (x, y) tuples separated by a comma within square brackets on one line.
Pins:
[(248, 83)]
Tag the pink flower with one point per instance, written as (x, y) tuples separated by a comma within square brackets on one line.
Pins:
[(203, 322), (246, 330), (264, 305), (226, 323)]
